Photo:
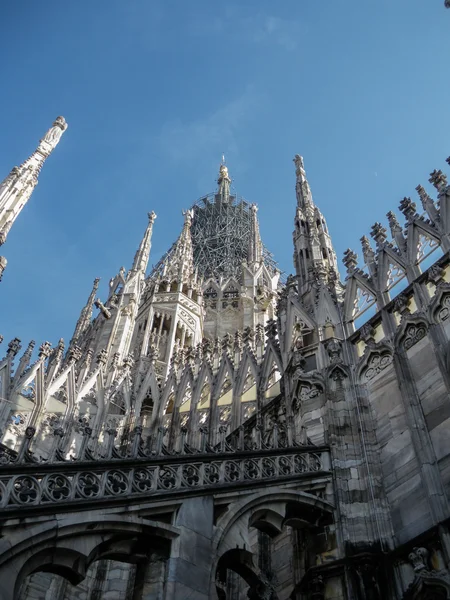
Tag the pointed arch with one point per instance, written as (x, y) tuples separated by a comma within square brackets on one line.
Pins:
[(168, 396), (184, 393), (270, 373), (224, 378), (375, 359), (205, 377), (412, 329), (247, 370), (439, 307), (422, 240), (360, 296), (306, 388)]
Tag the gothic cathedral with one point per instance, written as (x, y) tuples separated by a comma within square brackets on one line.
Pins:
[(215, 431)]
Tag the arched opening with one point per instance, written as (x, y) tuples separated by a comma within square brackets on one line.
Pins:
[(104, 577), (280, 538), (119, 568), (238, 577)]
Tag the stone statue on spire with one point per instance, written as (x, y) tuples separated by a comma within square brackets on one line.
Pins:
[(224, 180), (54, 134)]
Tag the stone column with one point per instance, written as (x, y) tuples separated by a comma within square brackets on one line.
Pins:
[(151, 578), (191, 559)]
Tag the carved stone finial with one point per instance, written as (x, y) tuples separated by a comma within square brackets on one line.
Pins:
[(435, 274), (393, 222), (438, 179), (53, 135), (378, 233), (102, 357), (369, 254), (350, 260), (248, 336), (367, 332), (237, 341), (74, 354), (408, 208), (128, 362), (226, 343), (419, 559), (401, 304), (422, 192), (271, 329), (188, 217), (298, 161), (115, 360), (44, 350), (13, 347)]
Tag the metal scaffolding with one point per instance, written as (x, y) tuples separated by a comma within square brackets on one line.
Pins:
[(221, 236)]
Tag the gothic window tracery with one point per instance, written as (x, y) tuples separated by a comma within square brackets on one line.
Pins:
[(443, 311), (425, 246), (205, 396), (377, 362), (414, 332)]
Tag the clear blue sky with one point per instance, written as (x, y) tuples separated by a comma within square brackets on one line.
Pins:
[(155, 91)]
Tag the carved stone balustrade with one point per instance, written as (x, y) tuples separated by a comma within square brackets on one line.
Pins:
[(42, 485)]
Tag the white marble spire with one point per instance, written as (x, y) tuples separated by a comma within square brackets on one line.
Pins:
[(17, 187), (143, 253)]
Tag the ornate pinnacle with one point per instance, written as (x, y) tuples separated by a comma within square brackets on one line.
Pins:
[(102, 357), (254, 253), (248, 336), (29, 351), (408, 208), (424, 197), (438, 179), (16, 189), (13, 347), (393, 222), (237, 341), (44, 350), (128, 362), (304, 197), (271, 329), (350, 260), (74, 354), (259, 335), (142, 255), (366, 247), (226, 343), (378, 233)]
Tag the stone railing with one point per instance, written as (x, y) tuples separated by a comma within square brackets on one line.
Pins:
[(43, 485)]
